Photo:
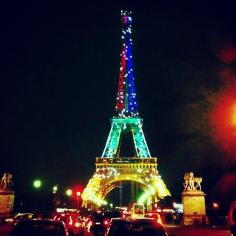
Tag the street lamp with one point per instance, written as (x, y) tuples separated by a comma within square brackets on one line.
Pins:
[(78, 195), (54, 189), (37, 183), (215, 205), (69, 192)]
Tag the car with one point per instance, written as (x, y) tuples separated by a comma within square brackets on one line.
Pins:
[(87, 223), (99, 225), (232, 218), (73, 223), (135, 227), (39, 227), (118, 226), (18, 217), (154, 215)]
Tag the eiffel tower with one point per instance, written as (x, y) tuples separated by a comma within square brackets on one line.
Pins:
[(111, 168)]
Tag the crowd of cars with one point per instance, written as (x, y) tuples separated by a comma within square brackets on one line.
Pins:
[(71, 222), (74, 224)]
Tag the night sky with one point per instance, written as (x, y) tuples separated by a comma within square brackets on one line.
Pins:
[(59, 85)]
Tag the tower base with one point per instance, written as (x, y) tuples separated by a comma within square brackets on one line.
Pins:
[(194, 210), (111, 171)]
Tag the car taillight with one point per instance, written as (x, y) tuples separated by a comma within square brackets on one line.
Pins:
[(71, 221), (159, 221), (106, 222)]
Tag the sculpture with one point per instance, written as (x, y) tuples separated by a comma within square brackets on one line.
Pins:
[(6, 181), (191, 182)]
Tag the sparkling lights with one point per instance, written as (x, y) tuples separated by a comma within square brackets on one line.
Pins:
[(156, 187), (126, 104), (134, 125), (111, 169)]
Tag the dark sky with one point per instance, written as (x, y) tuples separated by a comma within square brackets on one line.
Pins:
[(59, 82)]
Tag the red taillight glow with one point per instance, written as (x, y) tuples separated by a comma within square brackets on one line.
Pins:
[(77, 224), (159, 221), (106, 222), (71, 221)]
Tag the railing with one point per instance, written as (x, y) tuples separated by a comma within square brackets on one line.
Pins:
[(126, 160)]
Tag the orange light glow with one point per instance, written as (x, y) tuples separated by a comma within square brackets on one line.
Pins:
[(223, 121), (234, 115)]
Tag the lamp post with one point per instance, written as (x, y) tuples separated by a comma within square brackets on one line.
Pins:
[(54, 189), (78, 196)]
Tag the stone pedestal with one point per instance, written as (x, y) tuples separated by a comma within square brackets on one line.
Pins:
[(6, 201), (194, 210)]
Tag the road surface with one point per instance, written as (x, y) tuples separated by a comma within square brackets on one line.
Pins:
[(171, 230), (197, 231)]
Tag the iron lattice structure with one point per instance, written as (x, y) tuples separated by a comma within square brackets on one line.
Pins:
[(111, 168)]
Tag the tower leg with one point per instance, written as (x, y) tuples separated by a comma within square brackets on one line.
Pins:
[(120, 194), (132, 192)]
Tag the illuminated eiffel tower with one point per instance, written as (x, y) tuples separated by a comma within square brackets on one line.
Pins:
[(111, 168)]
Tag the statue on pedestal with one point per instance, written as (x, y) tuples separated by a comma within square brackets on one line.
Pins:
[(193, 199), (6, 181), (7, 195), (191, 182)]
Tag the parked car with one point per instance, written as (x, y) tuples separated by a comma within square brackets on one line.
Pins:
[(135, 227), (232, 218), (39, 227), (18, 217)]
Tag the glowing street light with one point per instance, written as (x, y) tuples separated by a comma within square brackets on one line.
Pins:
[(54, 189), (69, 192), (215, 205), (37, 183)]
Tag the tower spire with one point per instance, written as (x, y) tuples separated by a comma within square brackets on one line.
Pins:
[(126, 104)]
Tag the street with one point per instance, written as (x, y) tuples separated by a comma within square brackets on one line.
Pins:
[(196, 231), (171, 230)]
